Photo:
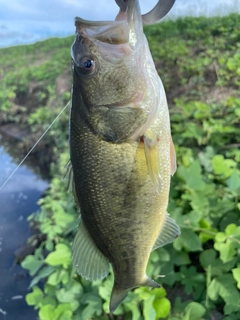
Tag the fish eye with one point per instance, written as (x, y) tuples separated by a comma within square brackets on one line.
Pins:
[(87, 65)]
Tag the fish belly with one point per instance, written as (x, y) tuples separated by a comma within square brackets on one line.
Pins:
[(118, 202)]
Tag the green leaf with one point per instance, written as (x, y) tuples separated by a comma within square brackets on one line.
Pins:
[(236, 276), (63, 309), (148, 308), (223, 166), (234, 181), (133, 307), (71, 295), (35, 297), (220, 237), (227, 251), (193, 281), (53, 279), (194, 311), (66, 315), (32, 263), (188, 240), (47, 313), (61, 256), (43, 273), (225, 287), (192, 176), (162, 307)]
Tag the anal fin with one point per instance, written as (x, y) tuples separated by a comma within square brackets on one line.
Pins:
[(87, 259), (169, 232)]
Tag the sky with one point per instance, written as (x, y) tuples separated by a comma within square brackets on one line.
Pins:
[(27, 21)]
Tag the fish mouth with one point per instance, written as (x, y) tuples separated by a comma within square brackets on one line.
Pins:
[(126, 27)]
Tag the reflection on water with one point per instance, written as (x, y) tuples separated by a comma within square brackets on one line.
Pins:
[(17, 201)]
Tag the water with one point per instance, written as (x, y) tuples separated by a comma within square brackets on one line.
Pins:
[(18, 199)]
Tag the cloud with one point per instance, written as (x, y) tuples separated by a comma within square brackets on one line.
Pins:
[(28, 21)]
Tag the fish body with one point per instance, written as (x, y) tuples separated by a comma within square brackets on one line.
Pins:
[(121, 152)]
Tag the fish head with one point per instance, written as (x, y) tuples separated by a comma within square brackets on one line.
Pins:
[(107, 58)]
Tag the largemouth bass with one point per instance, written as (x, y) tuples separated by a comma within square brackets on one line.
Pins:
[(121, 150)]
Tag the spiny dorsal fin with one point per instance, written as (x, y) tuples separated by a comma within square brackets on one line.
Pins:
[(169, 232), (87, 258)]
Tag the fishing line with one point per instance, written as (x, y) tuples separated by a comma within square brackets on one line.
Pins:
[(35, 145)]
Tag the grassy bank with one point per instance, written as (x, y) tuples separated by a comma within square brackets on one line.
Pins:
[(198, 61)]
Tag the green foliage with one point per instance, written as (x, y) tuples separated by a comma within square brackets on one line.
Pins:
[(198, 61)]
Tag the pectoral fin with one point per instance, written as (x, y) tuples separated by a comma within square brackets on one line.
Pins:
[(87, 259), (152, 159), (71, 184), (169, 232), (173, 158)]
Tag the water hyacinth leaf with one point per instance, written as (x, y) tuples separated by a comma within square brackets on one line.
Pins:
[(61, 256), (35, 297)]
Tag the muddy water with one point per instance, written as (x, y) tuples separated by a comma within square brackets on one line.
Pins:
[(18, 199)]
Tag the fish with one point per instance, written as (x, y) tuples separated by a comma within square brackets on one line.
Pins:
[(121, 150)]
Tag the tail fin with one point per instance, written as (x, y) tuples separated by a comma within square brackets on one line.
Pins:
[(118, 295)]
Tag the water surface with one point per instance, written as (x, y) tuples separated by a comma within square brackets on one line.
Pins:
[(18, 199)]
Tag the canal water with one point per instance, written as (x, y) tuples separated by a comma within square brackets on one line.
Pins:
[(18, 199)]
